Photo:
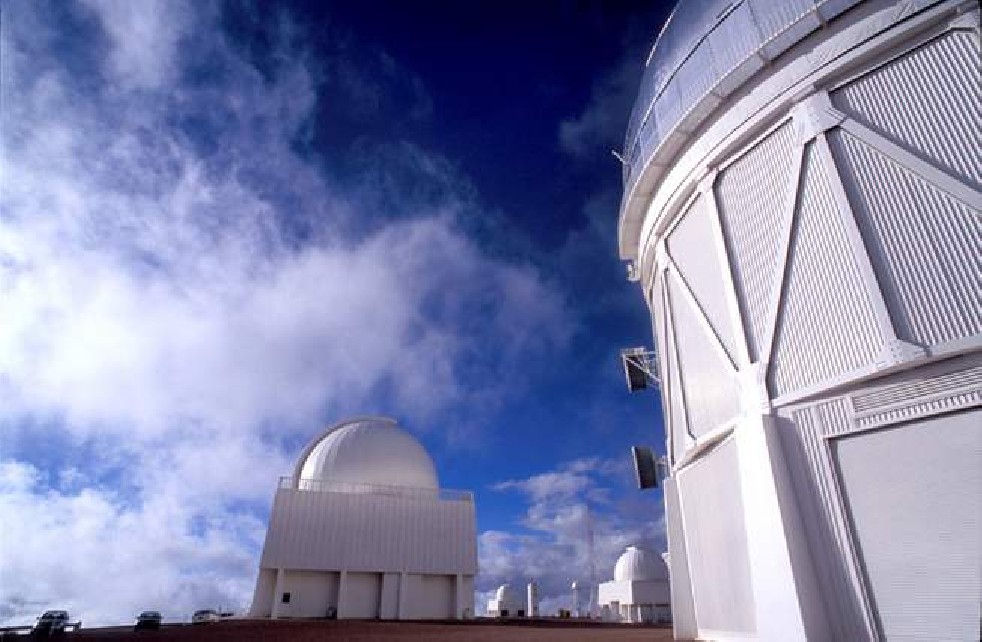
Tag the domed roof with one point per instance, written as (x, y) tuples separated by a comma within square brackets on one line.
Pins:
[(637, 564), (368, 450)]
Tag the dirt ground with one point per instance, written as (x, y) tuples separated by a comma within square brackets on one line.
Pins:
[(544, 630)]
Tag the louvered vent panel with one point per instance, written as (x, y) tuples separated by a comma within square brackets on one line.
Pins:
[(926, 246), (912, 494), (716, 542), (826, 324), (708, 380), (751, 194), (929, 101), (903, 392), (693, 248)]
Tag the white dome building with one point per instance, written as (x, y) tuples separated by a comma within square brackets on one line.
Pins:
[(639, 591), (803, 213), (362, 530), (506, 602)]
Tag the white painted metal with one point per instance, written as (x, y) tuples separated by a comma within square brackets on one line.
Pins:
[(337, 545), (532, 604), (639, 591), (835, 167)]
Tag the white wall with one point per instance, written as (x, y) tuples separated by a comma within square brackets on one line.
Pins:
[(366, 532)]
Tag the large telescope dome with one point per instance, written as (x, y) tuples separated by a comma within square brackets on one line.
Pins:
[(368, 450), (636, 564)]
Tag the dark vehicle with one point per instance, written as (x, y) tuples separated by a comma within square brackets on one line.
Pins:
[(148, 620), (50, 623)]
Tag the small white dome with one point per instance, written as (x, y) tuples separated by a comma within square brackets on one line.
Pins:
[(371, 450), (637, 564)]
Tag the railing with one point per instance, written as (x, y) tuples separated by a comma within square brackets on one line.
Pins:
[(699, 52), (334, 486)]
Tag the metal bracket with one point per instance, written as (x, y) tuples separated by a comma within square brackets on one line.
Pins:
[(640, 368)]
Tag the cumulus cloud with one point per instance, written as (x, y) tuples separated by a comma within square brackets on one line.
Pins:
[(185, 297), (553, 546)]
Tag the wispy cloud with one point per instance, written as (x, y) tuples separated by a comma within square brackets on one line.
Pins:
[(562, 507), (185, 295)]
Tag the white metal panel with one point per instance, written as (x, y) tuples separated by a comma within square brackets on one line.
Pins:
[(912, 493), (678, 427), (708, 380), (926, 246), (312, 593), (827, 325), (683, 609), (929, 101), (431, 597), (262, 599), (750, 194), (362, 595), (691, 246), (716, 543), (810, 470), (370, 532)]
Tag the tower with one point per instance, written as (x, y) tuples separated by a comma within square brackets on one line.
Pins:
[(802, 210)]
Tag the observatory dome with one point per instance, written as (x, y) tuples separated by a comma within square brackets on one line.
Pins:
[(370, 450), (637, 564)]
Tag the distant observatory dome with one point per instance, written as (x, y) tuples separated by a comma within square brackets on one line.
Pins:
[(368, 450), (637, 564)]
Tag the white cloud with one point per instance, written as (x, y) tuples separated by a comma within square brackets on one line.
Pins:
[(184, 297), (562, 506), (599, 128)]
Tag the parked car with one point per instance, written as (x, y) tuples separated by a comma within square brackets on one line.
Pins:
[(148, 620), (204, 616), (50, 623)]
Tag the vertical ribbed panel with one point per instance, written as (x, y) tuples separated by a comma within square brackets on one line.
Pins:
[(750, 194), (912, 492), (716, 542), (677, 423), (708, 380), (929, 101), (692, 247), (925, 246), (821, 513), (826, 323)]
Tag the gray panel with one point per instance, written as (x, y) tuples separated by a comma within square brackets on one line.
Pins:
[(708, 380), (925, 246), (692, 246), (716, 542), (751, 194), (672, 385), (826, 324), (913, 497), (929, 101), (683, 610)]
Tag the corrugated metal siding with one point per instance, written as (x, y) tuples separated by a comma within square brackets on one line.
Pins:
[(912, 492), (821, 512), (708, 380), (692, 248), (905, 391), (367, 532), (925, 245), (671, 381), (929, 101), (750, 194), (826, 323), (716, 542)]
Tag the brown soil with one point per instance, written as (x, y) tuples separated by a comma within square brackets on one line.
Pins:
[(544, 630)]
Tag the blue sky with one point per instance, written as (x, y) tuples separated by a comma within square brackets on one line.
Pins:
[(225, 226)]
